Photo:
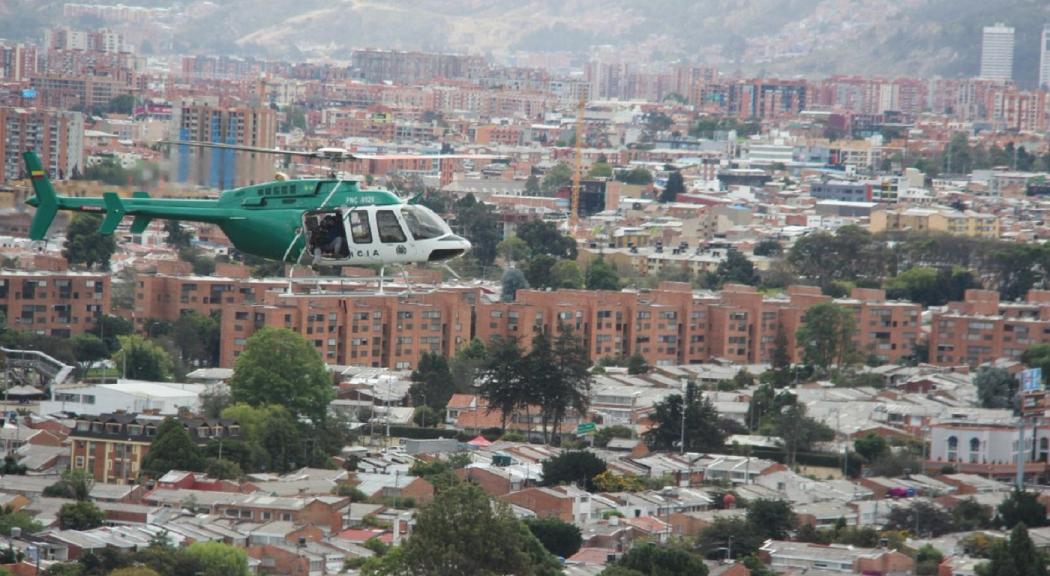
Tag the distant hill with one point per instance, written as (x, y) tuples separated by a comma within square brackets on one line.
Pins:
[(785, 37)]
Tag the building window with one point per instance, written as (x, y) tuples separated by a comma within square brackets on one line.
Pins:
[(975, 449), (953, 448)]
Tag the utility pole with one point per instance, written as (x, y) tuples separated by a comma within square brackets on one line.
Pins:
[(685, 386), (1020, 442)]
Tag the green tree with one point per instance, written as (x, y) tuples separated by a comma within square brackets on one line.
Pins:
[(514, 249), (279, 366), (543, 237), (218, 559), (432, 383), (922, 518), (799, 432), (600, 170), (970, 515), (479, 224), (771, 518), (85, 245), (177, 236), (851, 253), (826, 335), (602, 275), (558, 176), (713, 541), (637, 364), (557, 536), (270, 438), (927, 560), (447, 536), (675, 186), (10, 519), (467, 364), (639, 176), (1015, 557), (172, 449), (768, 247), (503, 382), (197, 338), (110, 328), (566, 274), (781, 358), (88, 349), (223, 469), (603, 436), (702, 423), (996, 388), (532, 185), (80, 516), (424, 416), (512, 281), (560, 375), (122, 104), (573, 467), (649, 559), (1021, 507), (538, 271), (736, 269), (74, 483), (871, 446), (142, 359)]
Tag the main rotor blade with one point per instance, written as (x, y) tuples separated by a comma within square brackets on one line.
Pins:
[(240, 147), (357, 156)]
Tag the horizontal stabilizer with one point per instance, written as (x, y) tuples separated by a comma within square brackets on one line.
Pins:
[(114, 213)]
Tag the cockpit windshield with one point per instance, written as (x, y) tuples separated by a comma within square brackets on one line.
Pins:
[(423, 223)]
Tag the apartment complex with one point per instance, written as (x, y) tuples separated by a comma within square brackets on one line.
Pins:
[(54, 303), (982, 329), (671, 325), (111, 447), (958, 222), (56, 136)]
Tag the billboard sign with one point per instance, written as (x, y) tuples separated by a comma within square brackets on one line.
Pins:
[(1031, 380)]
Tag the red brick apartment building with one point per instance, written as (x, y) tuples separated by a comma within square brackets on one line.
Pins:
[(981, 328), (111, 446), (54, 303), (670, 325)]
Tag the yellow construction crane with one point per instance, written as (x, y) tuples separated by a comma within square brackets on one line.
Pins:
[(577, 173)]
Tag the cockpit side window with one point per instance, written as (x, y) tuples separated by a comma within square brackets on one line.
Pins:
[(390, 231), (360, 230)]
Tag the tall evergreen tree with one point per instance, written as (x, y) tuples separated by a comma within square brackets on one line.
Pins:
[(675, 186)]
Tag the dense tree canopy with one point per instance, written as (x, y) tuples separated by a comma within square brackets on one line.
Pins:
[(543, 237), (557, 536), (85, 245), (996, 387), (703, 432), (463, 532), (826, 335), (279, 366), (172, 449), (219, 559), (432, 383), (675, 186), (573, 467), (142, 359)]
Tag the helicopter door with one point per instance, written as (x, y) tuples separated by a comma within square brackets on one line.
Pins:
[(325, 234), (395, 245)]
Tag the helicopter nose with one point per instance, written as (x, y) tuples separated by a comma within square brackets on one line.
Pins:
[(450, 247)]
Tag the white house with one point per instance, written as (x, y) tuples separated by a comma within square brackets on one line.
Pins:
[(127, 395)]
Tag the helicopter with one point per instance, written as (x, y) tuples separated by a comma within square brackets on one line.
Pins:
[(332, 219)]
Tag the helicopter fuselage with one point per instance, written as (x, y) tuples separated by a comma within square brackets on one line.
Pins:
[(273, 220)]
